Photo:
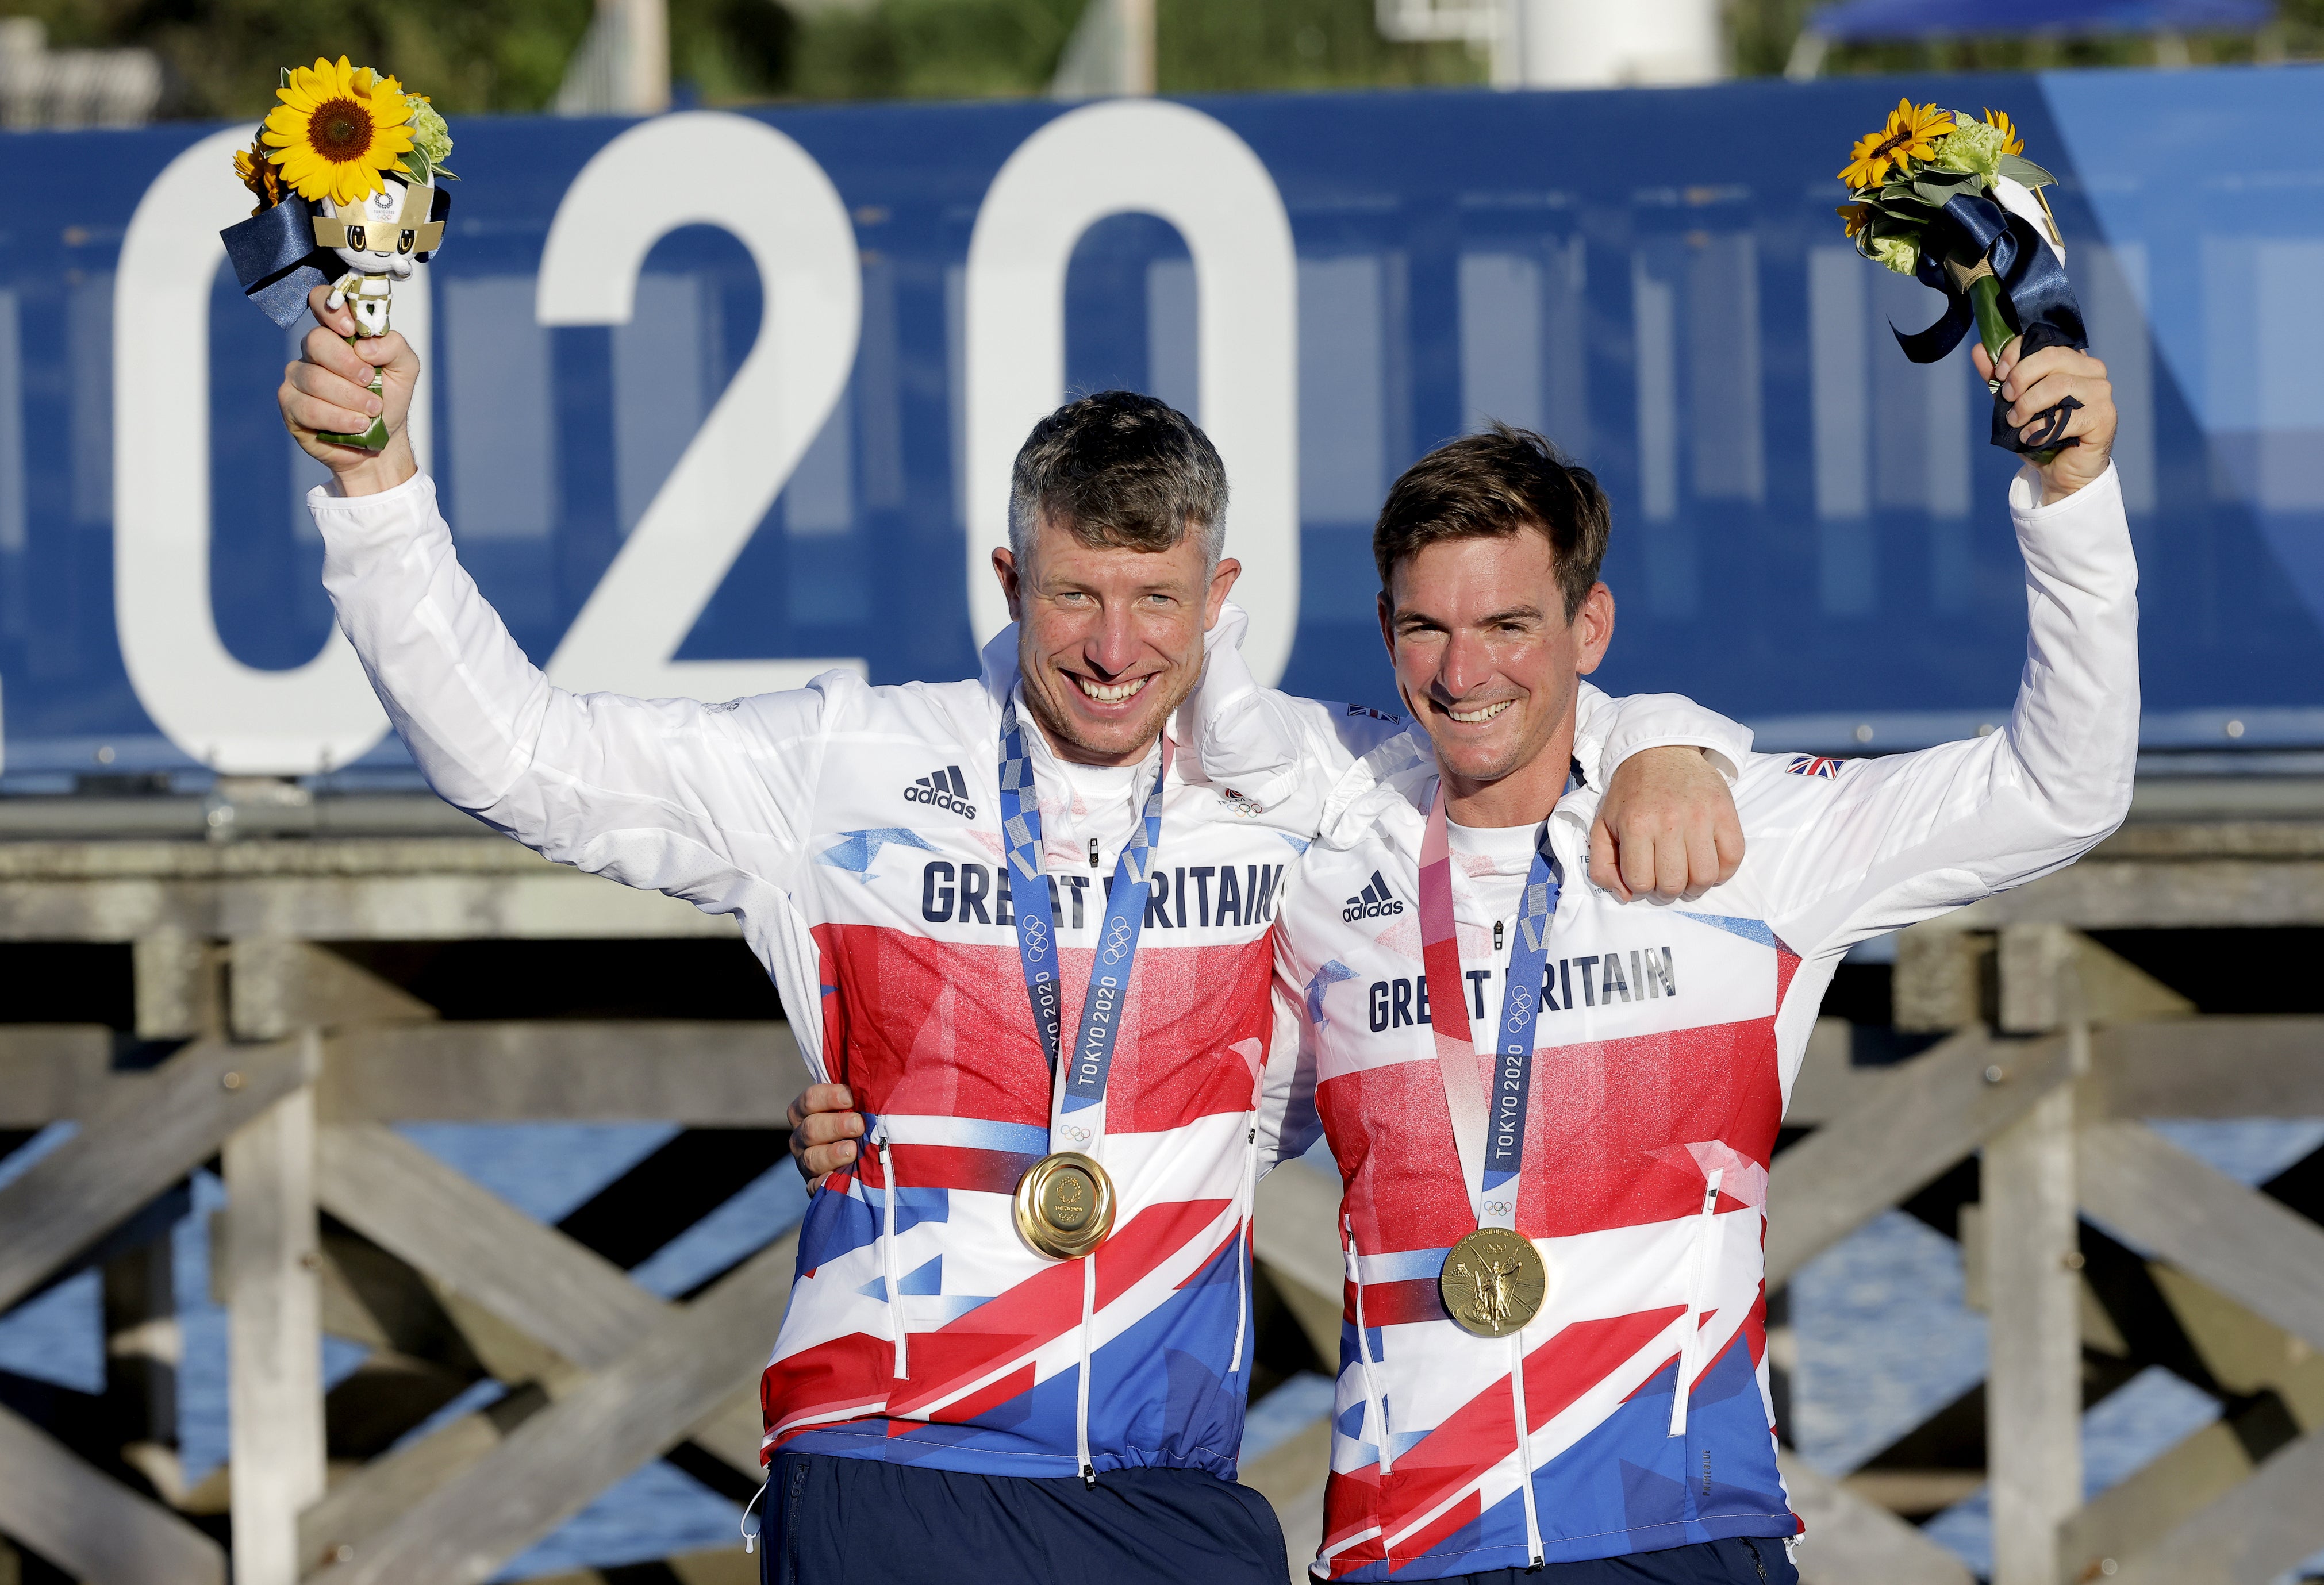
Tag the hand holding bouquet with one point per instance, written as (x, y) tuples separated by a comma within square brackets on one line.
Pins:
[(1953, 202), (346, 171)]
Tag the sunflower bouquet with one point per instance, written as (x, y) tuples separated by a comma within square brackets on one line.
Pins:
[(1951, 200), (347, 170)]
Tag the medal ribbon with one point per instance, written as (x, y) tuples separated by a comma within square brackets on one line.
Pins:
[(1487, 1123), (1077, 1111)]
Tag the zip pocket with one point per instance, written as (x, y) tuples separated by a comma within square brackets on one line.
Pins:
[(786, 1569), (1702, 1258), (1245, 1209), (1374, 1403), (1757, 1563), (888, 1247)]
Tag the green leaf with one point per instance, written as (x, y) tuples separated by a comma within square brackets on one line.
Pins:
[(2019, 169), (446, 175), (1936, 188), (1903, 207), (415, 164), (286, 76)]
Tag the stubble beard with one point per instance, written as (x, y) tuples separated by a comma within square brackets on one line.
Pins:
[(1126, 743), (1520, 754)]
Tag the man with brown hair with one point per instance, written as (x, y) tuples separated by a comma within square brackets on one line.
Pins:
[(1554, 1115), (1015, 917)]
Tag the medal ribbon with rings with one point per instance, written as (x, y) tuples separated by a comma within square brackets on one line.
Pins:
[(1065, 1202), (1493, 1281)]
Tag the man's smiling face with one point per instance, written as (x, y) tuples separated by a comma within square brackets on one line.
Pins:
[(1485, 658), (1109, 639)]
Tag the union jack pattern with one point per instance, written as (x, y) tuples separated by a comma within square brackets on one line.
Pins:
[(785, 812), (977, 1363), (1648, 1082), (1813, 765), (852, 833)]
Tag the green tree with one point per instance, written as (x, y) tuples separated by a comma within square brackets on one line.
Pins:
[(931, 50), (222, 56), (1763, 33), (1218, 46)]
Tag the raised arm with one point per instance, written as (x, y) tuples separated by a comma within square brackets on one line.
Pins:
[(669, 794), (1884, 842)]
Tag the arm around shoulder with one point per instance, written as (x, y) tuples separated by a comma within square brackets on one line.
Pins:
[(1270, 746)]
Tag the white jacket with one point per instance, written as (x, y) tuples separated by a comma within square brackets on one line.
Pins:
[(1666, 1047), (854, 832)]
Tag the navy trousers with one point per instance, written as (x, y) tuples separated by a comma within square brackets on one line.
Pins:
[(1744, 1559), (830, 1520)]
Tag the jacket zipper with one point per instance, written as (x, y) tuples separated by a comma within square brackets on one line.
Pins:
[(1706, 1237), (1080, 1405), (1372, 1399), (888, 1248), (1756, 1562), (1525, 1447), (1244, 1213)]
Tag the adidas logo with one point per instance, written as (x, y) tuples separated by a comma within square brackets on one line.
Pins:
[(943, 789), (1373, 902)]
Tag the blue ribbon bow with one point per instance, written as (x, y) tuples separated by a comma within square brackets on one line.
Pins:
[(2036, 299)]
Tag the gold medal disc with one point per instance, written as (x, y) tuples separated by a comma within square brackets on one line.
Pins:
[(1493, 1282), (1065, 1205)]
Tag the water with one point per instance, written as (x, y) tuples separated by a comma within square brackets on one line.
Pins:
[(1885, 1339)]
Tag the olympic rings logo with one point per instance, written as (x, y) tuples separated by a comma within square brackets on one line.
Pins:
[(1117, 942), (1497, 1207), (1036, 936), (1079, 1136), (1520, 1004)]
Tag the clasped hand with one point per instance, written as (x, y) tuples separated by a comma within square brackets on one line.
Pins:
[(2034, 384), (327, 392)]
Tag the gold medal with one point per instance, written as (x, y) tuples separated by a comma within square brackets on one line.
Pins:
[(1493, 1282), (1065, 1206)]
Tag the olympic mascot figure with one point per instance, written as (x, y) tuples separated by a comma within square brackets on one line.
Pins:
[(346, 171)]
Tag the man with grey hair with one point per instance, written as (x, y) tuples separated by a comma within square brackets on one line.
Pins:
[(1038, 959)]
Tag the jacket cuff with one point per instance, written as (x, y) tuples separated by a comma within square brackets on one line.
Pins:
[(389, 514), (1660, 721), (2102, 495)]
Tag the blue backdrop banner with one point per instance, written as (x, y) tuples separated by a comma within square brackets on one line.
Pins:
[(720, 400)]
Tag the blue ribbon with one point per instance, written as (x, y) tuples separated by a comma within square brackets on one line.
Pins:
[(1036, 922), (1521, 997), (2036, 299), (275, 258)]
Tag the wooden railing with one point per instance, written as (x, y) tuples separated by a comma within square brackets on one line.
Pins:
[(262, 1042)]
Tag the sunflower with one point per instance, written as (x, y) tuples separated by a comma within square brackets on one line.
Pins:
[(2011, 144), (1856, 217), (337, 129), (258, 173), (1911, 135)]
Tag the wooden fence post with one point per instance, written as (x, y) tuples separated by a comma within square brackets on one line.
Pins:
[(274, 1425), (2031, 1224), (144, 1346)]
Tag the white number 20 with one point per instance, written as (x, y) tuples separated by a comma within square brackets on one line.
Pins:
[(707, 168)]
